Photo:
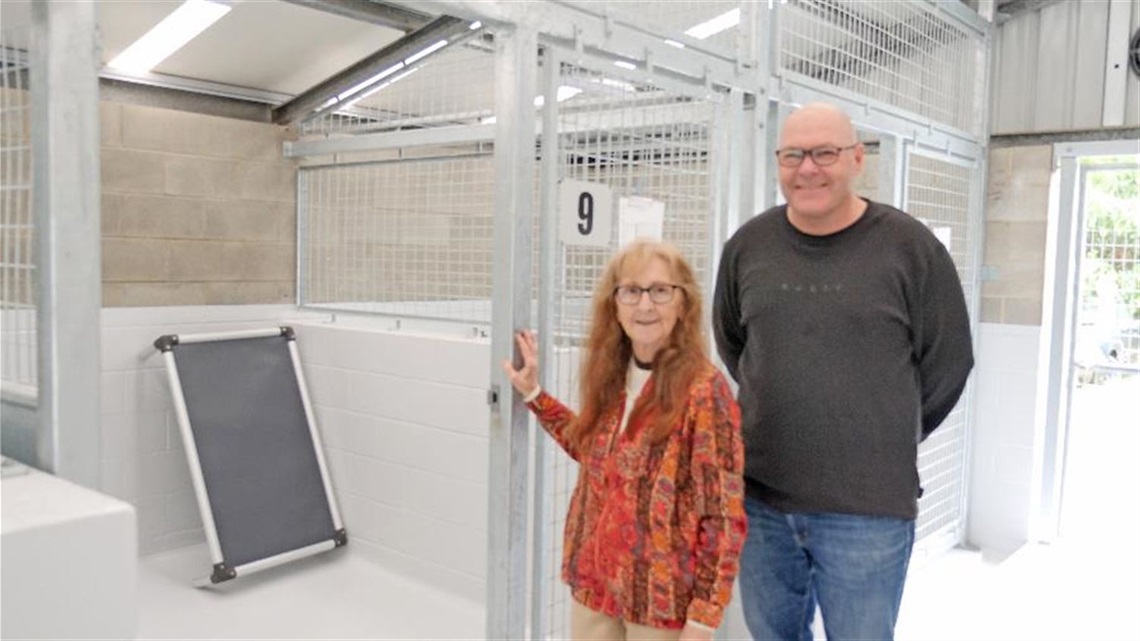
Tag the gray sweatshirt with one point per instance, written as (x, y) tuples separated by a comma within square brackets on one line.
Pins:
[(849, 349)]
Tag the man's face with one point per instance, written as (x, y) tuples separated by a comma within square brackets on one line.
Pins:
[(814, 191)]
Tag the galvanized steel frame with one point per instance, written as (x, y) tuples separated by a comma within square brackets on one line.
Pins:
[(590, 29), (549, 266), (516, 56), (753, 95), (903, 153), (65, 147)]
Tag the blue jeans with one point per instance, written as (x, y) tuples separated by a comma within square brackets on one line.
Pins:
[(853, 566)]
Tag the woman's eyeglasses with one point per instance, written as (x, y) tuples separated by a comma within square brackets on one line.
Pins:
[(659, 293), (822, 156)]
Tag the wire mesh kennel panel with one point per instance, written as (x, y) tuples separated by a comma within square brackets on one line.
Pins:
[(405, 230), (906, 54), (939, 193), (410, 238), (641, 142), (714, 25), (17, 242), (453, 85), (1108, 315)]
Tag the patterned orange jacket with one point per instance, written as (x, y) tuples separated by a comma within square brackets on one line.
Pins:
[(654, 532)]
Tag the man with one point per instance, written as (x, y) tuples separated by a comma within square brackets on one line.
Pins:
[(845, 325)]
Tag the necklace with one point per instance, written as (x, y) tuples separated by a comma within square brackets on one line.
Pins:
[(642, 365)]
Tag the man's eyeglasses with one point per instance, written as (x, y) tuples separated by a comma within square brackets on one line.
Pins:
[(822, 156), (659, 293)]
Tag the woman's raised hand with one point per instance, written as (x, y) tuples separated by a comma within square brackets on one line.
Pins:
[(525, 378)]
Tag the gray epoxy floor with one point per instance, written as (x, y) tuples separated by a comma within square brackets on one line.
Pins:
[(1086, 585), (336, 595)]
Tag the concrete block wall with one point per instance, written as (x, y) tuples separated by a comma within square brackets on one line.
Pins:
[(196, 209), (1016, 219)]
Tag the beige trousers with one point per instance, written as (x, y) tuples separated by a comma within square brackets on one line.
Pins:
[(588, 625)]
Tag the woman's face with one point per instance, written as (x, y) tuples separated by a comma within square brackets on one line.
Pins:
[(648, 324)]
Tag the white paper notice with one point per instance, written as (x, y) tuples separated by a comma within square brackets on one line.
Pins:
[(942, 233), (640, 218)]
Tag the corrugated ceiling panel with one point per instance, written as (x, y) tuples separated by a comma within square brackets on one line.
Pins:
[(1091, 34), (1132, 88), (1049, 69), (1056, 80)]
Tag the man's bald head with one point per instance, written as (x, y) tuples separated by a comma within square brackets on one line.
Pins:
[(821, 116)]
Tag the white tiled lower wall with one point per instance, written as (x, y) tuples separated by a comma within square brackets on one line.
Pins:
[(1002, 437), (405, 421), (143, 460), (403, 417)]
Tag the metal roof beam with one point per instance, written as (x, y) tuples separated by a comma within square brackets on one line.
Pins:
[(324, 95), (1010, 9), (378, 13)]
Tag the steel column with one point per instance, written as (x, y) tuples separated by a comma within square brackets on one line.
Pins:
[(65, 144), (516, 53)]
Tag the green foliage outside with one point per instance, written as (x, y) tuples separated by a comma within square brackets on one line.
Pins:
[(1110, 283)]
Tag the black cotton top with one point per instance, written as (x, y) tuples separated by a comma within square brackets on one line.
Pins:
[(849, 349)]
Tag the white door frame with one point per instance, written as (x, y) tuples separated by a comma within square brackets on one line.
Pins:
[(1059, 309)]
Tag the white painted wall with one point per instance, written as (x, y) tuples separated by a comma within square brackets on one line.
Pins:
[(69, 561), (403, 416), (405, 422), (143, 461), (1005, 427)]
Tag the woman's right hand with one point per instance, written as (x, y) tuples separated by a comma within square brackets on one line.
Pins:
[(525, 378)]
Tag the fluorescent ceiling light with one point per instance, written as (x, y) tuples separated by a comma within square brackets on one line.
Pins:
[(404, 75), (367, 83), (183, 25), (423, 52), (565, 92), (726, 20), (407, 62), (475, 25), (674, 43), (620, 84), (378, 87), (349, 93), (625, 65), (364, 95)]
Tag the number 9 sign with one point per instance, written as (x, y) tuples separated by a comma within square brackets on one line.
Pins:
[(585, 212)]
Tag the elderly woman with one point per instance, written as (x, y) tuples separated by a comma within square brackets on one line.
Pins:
[(656, 522)]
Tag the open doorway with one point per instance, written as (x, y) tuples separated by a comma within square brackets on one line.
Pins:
[(1088, 519), (1101, 444)]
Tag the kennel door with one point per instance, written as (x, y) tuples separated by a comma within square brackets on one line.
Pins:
[(255, 459)]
